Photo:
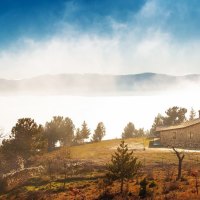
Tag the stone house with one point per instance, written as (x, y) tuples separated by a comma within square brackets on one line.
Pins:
[(185, 135)]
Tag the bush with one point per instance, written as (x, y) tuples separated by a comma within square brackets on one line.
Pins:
[(152, 184), (143, 188)]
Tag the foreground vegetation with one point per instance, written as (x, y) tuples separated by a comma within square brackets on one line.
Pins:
[(79, 172)]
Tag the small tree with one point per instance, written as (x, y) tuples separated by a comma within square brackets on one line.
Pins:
[(59, 129), (123, 166), (140, 132), (180, 156), (158, 121), (175, 116), (85, 131), (99, 132), (78, 139), (24, 140), (129, 131), (192, 114)]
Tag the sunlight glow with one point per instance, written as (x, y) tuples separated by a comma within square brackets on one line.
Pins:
[(115, 112)]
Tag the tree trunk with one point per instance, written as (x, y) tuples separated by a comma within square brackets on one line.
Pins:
[(179, 169), (180, 156)]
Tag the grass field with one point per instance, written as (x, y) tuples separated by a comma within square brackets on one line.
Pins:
[(101, 152)]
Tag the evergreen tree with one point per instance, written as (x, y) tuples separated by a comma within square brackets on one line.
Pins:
[(192, 114), (123, 166), (59, 129), (158, 121), (53, 131), (140, 132), (129, 131), (78, 139), (99, 132), (67, 134), (85, 132), (175, 116), (24, 140)]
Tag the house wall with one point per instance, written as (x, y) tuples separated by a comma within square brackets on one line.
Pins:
[(185, 137)]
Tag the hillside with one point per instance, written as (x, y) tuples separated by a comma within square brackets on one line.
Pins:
[(96, 84), (88, 167)]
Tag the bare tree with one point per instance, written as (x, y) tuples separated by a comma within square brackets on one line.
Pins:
[(180, 156)]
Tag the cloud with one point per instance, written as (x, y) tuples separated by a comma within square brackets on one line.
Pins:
[(138, 45)]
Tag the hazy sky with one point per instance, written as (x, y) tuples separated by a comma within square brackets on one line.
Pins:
[(99, 36)]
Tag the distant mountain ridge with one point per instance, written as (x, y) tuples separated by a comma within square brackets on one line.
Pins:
[(98, 84)]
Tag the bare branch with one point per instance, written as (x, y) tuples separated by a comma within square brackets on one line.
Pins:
[(180, 156)]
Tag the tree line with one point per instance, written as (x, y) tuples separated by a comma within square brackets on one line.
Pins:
[(28, 138), (173, 116)]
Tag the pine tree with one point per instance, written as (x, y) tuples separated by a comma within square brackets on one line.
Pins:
[(78, 139), (192, 114), (158, 121), (99, 132), (123, 166), (85, 132)]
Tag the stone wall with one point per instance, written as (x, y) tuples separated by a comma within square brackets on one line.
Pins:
[(19, 177), (188, 137)]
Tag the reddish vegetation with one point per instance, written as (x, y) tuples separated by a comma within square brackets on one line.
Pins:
[(166, 188)]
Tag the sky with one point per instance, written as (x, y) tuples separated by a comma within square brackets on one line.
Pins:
[(114, 112), (99, 36)]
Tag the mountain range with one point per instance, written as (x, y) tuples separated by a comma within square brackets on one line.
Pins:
[(99, 84)]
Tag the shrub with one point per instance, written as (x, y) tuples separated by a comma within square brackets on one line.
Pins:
[(143, 188), (152, 184)]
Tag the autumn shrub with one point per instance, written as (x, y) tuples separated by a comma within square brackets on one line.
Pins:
[(152, 184), (143, 188)]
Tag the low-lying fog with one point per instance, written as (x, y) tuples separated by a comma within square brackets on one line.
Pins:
[(115, 112)]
